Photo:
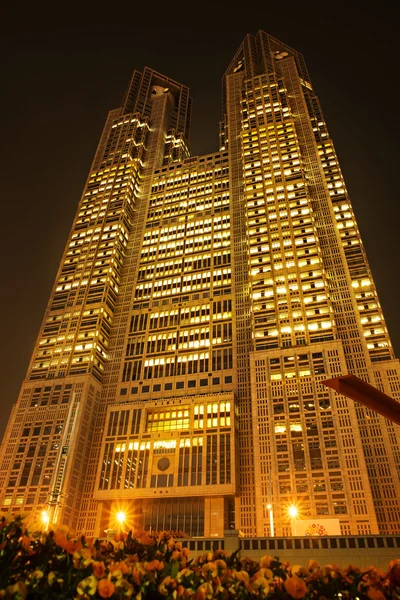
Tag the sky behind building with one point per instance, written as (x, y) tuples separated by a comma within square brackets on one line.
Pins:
[(60, 83)]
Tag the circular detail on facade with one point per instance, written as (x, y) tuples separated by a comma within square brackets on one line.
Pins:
[(163, 463)]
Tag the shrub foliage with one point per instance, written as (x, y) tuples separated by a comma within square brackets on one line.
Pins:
[(59, 565)]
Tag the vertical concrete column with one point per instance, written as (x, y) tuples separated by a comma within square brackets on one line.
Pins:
[(214, 517)]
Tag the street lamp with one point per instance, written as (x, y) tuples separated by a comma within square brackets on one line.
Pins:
[(271, 520), (293, 513)]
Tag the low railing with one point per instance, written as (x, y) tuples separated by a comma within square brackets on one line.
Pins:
[(320, 543), (203, 545)]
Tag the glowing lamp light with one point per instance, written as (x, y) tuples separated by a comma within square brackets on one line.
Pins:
[(121, 517), (293, 512), (45, 518)]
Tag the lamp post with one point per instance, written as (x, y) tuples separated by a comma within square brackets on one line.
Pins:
[(271, 520), (293, 512)]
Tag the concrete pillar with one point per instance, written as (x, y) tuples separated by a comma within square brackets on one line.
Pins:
[(214, 517)]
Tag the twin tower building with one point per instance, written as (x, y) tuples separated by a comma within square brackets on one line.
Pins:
[(199, 305)]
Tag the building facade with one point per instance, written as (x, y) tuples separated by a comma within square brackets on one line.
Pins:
[(199, 305)]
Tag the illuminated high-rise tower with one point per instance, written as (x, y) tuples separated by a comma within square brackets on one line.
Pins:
[(199, 304)]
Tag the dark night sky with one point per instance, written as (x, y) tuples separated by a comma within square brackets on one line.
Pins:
[(58, 83)]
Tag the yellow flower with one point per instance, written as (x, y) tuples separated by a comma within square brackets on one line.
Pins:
[(266, 561), (167, 582), (295, 586), (261, 582), (125, 587), (184, 573), (204, 591), (242, 576), (82, 558), (87, 586), (53, 577), (106, 588), (267, 573), (137, 573), (312, 565), (17, 591), (295, 569)]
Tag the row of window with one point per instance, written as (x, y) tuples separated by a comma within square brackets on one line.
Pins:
[(179, 385)]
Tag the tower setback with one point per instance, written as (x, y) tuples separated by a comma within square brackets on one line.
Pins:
[(199, 305)]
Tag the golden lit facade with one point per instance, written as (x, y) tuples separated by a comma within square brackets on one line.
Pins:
[(199, 305)]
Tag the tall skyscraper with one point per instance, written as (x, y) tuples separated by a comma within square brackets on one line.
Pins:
[(199, 305)]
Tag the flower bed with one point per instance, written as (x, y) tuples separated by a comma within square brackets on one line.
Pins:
[(57, 565)]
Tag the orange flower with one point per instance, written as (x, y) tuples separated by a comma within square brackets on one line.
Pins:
[(105, 588), (72, 545), (123, 567), (374, 576), (64, 529), (295, 586), (375, 594), (137, 573), (170, 542), (60, 538), (146, 540), (210, 568), (66, 543), (119, 566), (99, 568), (394, 574), (155, 565), (3, 521), (25, 543)]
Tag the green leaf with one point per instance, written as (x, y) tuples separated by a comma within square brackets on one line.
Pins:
[(175, 569)]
